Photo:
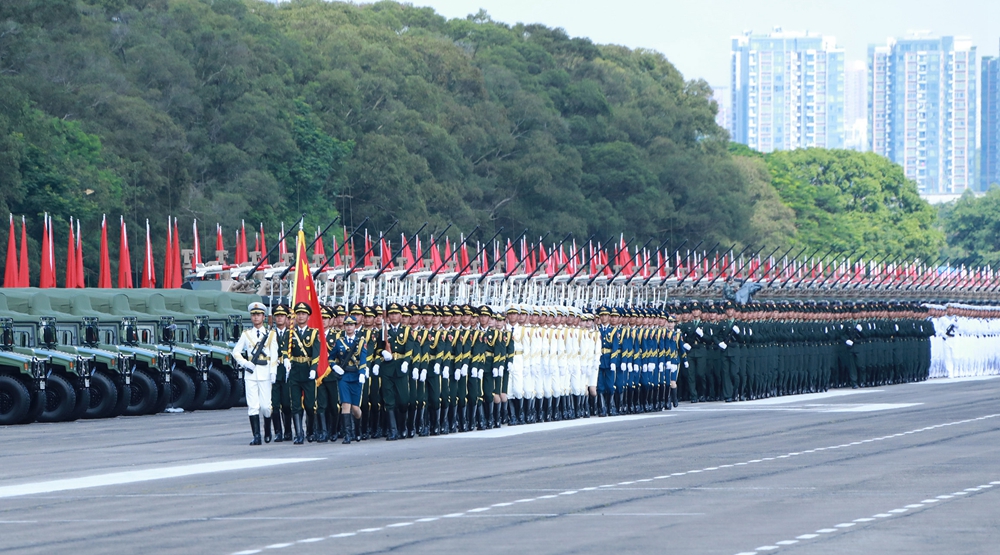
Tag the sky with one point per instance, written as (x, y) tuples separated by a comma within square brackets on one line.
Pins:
[(695, 34)]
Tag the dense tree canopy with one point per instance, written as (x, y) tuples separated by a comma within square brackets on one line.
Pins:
[(973, 228), (225, 110)]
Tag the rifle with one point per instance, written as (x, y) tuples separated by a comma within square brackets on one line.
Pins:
[(559, 271), (504, 255), (748, 260), (264, 258), (695, 249), (346, 241), (693, 268), (731, 260), (510, 272), (599, 272), (813, 266), (421, 255), (258, 351), (847, 258), (453, 253), (631, 258), (385, 263), (361, 259), (309, 246), (539, 267), (466, 267), (781, 257), (587, 265), (666, 260), (791, 277), (656, 250)]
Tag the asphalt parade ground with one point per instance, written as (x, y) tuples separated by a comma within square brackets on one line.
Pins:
[(911, 468)]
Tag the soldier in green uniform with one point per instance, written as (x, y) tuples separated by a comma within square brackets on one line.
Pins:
[(372, 413), (436, 361), (280, 403), (327, 390), (303, 353), (396, 349)]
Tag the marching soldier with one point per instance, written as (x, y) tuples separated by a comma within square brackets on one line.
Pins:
[(280, 405), (327, 386), (396, 349), (260, 371), (350, 353), (303, 353)]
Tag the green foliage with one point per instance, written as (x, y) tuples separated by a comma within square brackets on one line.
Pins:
[(850, 200), (972, 225)]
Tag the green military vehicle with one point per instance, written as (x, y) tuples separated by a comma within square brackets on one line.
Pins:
[(22, 381)]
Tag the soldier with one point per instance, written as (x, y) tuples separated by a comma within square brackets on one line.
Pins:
[(327, 386), (515, 366), (394, 368), (280, 405), (350, 354), (260, 372), (303, 350), (371, 391), (605, 373)]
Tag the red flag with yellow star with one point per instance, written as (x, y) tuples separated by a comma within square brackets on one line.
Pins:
[(304, 291)]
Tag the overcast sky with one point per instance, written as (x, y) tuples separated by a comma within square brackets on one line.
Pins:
[(695, 34)]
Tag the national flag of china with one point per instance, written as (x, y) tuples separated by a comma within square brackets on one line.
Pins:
[(305, 292)]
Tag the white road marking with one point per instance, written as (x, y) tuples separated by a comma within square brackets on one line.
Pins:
[(945, 381), (133, 476), (839, 527), (509, 431)]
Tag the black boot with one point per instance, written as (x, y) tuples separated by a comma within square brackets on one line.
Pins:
[(379, 423), (460, 418), (393, 434), (435, 422), (614, 401), (322, 434), (498, 413), (361, 426), (411, 421), (347, 423), (423, 427), (602, 405), (267, 429), (453, 419), (276, 421), (297, 421), (444, 427), (255, 429), (481, 422), (357, 429), (310, 427), (287, 417)]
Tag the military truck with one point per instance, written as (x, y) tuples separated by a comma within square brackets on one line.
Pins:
[(22, 381)]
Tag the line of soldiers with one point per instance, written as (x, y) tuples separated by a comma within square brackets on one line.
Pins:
[(430, 370), (967, 342)]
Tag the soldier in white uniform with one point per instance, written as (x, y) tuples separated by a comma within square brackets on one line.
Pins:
[(261, 369)]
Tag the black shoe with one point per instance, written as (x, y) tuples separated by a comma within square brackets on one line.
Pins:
[(255, 429), (357, 429), (347, 422), (393, 434), (297, 421), (267, 429), (320, 428), (287, 417)]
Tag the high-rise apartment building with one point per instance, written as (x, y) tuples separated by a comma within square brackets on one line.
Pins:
[(989, 144), (787, 91), (922, 109), (856, 105)]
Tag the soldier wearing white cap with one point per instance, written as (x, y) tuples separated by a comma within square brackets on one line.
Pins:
[(260, 369)]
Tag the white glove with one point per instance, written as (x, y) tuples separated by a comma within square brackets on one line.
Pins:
[(386, 355), (494, 371), (446, 373), (465, 369), (437, 367), (687, 346), (500, 370), (312, 374), (736, 328), (613, 367), (423, 375), (664, 365), (338, 369), (849, 342), (375, 369), (649, 367), (723, 345), (405, 367), (288, 365), (416, 373), (274, 378), (858, 327), (248, 366), (686, 364), (362, 377), (699, 332)]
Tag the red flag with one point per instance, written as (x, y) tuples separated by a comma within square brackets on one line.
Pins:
[(336, 253), (282, 248), (319, 249), (244, 255), (197, 244), (48, 275), (435, 256), (24, 275), (263, 245), (219, 245), (419, 252), (304, 290), (148, 273), (447, 250), (463, 255), (510, 259), (368, 263), (10, 274), (408, 261), (384, 253), (104, 277), (168, 257), (483, 259), (177, 264), (70, 282), (80, 281)]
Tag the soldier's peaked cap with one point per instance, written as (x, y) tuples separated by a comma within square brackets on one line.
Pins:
[(257, 308), (394, 308), (303, 307)]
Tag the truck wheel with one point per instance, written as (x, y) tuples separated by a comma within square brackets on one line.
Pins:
[(142, 395), (124, 396), (82, 404), (200, 391), (162, 400), (181, 391), (37, 406), (218, 390), (60, 400), (103, 397), (14, 401), (236, 391)]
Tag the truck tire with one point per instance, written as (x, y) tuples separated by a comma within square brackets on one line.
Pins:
[(181, 391), (142, 395), (103, 397), (60, 400), (82, 404), (162, 400), (37, 406), (15, 400), (200, 391), (124, 394), (218, 390), (236, 390)]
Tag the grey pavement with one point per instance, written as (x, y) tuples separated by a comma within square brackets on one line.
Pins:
[(899, 469)]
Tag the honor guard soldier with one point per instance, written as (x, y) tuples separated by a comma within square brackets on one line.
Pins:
[(350, 353), (394, 369), (260, 369), (327, 387), (280, 406), (303, 353)]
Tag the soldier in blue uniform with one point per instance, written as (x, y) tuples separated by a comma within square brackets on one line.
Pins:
[(350, 353)]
